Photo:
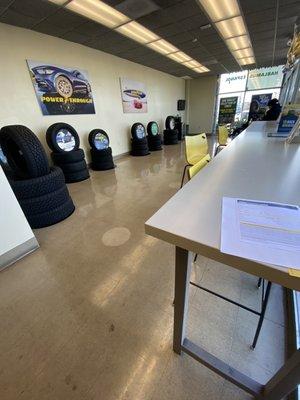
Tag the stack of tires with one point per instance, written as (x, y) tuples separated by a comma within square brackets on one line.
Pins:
[(40, 190), (64, 142), (170, 133), (154, 138), (139, 142), (100, 151)]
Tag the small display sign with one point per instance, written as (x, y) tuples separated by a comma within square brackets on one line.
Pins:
[(227, 110)]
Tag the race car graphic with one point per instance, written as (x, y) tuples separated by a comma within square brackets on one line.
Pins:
[(51, 79)]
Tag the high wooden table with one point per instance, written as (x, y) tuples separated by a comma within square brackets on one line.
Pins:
[(254, 167)]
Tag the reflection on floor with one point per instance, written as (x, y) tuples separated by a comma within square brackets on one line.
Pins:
[(89, 315)]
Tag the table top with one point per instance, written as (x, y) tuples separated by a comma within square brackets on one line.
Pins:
[(252, 166)]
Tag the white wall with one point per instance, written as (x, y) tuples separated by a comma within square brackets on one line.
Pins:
[(19, 104), (15, 230), (202, 97)]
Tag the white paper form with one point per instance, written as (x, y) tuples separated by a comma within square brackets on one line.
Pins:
[(262, 231)]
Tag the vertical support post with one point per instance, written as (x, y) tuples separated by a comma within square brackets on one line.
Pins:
[(183, 264), (285, 380)]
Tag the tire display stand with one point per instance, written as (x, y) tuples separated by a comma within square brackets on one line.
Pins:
[(40, 190), (154, 138), (64, 142), (139, 142), (101, 153), (170, 133)]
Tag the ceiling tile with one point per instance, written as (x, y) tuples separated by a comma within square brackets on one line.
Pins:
[(33, 8), (64, 18), (75, 37), (13, 18)]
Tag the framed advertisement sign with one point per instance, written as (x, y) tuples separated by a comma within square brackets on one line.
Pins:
[(61, 90), (134, 96), (227, 109), (258, 106)]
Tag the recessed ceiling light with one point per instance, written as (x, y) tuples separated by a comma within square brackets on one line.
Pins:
[(243, 53), (137, 32), (220, 9), (108, 16), (231, 27), (227, 17), (192, 64), (201, 69), (237, 43), (98, 11), (59, 2), (180, 57), (163, 47), (246, 61)]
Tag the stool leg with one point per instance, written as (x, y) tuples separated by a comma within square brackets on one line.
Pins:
[(216, 150), (259, 282), (183, 175), (262, 315)]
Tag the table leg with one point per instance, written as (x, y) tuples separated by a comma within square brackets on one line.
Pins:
[(183, 264), (285, 380)]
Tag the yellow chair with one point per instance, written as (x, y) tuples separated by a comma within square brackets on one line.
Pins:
[(222, 138), (194, 169), (196, 147)]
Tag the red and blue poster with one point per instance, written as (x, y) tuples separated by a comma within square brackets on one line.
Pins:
[(61, 90)]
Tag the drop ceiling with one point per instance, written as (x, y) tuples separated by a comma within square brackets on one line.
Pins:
[(177, 21)]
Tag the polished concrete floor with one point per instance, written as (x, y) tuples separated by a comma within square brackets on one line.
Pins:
[(89, 315)]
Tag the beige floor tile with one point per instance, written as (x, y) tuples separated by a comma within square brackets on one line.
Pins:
[(83, 318)]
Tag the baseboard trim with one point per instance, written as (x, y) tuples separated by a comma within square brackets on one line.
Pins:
[(15, 254)]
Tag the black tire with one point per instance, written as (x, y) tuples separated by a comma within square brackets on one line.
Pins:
[(98, 136), (103, 166), (53, 216), (29, 188), (24, 152), (102, 159), (77, 176), (42, 204), (138, 153), (67, 157), (73, 167), (170, 122), (138, 131), (54, 130), (151, 128), (97, 154), (154, 143)]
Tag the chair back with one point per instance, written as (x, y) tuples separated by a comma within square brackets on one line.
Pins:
[(197, 167), (196, 147), (222, 135)]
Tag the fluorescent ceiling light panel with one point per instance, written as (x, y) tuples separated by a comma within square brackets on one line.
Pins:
[(244, 53), (220, 9), (192, 64), (108, 16), (59, 2), (231, 27), (98, 11), (201, 69), (163, 47), (180, 57), (237, 43), (137, 32), (246, 61)]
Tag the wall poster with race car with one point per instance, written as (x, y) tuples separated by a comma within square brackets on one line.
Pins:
[(61, 90), (134, 96)]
